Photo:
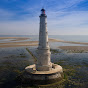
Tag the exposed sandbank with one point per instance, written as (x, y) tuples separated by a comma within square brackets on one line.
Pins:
[(18, 44), (35, 43), (14, 38), (72, 42), (55, 40), (2, 46), (77, 48)]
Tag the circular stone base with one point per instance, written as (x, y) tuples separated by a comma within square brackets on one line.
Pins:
[(42, 77)]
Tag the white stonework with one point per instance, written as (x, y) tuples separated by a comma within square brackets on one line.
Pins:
[(44, 69), (44, 61), (55, 73)]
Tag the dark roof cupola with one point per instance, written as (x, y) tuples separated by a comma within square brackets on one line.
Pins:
[(42, 11)]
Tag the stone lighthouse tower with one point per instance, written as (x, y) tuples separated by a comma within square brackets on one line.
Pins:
[(43, 62), (43, 71)]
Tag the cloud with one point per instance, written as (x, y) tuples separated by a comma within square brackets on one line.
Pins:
[(74, 22), (66, 18), (62, 4), (4, 15), (61, 20), (19, 27)]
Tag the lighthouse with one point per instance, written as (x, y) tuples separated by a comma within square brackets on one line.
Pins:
[(44, 61), (43, 72)]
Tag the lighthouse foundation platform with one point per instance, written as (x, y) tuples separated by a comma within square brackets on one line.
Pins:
[(31, 75)]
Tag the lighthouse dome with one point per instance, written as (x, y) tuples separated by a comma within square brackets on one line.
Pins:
[(43, 11)]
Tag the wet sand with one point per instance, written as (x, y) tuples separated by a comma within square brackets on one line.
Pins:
[(12, 42), (34, 43), (14, 59), (74, 48), (2, 46), (72, 42), (14, 38), (19, 44), (55, 40)]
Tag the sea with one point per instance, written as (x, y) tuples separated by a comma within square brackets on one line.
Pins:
[(75, 38)]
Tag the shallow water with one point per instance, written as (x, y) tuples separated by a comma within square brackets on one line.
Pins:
[(76, 38), (12, 63)]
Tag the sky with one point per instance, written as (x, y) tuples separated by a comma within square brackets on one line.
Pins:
[(64, 17)]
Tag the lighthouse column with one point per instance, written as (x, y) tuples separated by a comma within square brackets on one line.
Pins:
[(43, 62), (43, 72)]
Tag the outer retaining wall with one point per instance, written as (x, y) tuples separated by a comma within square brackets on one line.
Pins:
[(42, 77)]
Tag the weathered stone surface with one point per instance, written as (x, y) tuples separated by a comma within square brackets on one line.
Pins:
[(44, 61), (44, 75)]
